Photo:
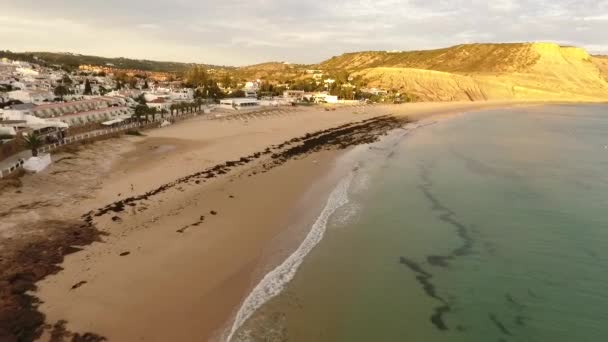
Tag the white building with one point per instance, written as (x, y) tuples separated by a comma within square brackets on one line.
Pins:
[(251, 89), (252, 94), (160, 104), (184, 94), (240, 104), (27, 71), (375, 91), (97, 115), (325, 98), (14, 121), (31, 96), (296, 95)]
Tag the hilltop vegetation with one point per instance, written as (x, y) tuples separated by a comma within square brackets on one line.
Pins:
[(279, 72), (460, 58), (72, 61)]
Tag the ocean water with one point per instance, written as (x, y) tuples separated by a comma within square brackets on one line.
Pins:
[(490, 226)]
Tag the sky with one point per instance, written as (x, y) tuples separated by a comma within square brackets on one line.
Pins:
[(237, 32)]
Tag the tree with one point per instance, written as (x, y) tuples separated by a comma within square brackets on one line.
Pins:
[(146, 85), (227, 81), (153, 111), (140, 111), (132, 82), (196, 77), (66, 80), (237, 93), (173, 107), (162, 113), (141, 99), (61, 91), (32, 142), (87, 88)]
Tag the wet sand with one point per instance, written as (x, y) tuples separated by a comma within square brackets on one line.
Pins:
[(172, 263)]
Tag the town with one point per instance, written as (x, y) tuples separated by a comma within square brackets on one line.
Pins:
[(44, 104)]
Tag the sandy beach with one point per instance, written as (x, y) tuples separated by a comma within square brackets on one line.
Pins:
[(161, 237)]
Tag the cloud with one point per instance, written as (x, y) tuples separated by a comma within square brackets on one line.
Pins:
[(244, 32)]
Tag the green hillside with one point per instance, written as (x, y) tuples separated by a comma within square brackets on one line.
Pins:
[(72, 61)]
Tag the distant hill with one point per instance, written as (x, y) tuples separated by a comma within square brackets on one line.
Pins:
[(74, 60), (535, 71), (277, 71), (460, 58)]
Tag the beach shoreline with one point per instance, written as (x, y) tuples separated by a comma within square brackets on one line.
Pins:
[(72, 296)]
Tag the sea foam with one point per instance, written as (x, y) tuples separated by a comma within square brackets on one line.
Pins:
[(275, 281)]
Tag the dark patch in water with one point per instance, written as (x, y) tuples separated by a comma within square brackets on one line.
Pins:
[(512, 301), (423, 278), (499, 324), (438, 260), (483, 169), (461, 328), (592, 254), (532, 294)]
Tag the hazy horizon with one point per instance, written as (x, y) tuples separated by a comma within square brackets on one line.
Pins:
[(236, 32)]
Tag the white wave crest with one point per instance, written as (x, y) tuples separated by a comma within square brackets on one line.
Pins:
[(275, 281)]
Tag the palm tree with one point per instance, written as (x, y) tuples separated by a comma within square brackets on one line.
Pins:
[(162, 113), (33, 143), (153, 111), (141, 110), (173, 107)]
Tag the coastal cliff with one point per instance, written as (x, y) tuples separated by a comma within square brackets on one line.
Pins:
[(526, 71)]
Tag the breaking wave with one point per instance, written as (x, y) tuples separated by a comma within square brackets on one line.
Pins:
[(275, 281)]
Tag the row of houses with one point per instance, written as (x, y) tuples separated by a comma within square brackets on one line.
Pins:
[(73, 113)]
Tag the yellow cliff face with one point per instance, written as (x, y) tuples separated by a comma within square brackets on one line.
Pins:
[(602, 63), (530, 71)]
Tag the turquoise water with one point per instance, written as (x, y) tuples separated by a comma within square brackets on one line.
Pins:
[(491, 226)]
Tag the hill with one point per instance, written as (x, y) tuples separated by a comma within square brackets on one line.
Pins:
[(460, 58), (276, 71), (535, 71), (72, 61)]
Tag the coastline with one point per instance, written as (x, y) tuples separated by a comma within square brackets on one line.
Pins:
[(154, 262)]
